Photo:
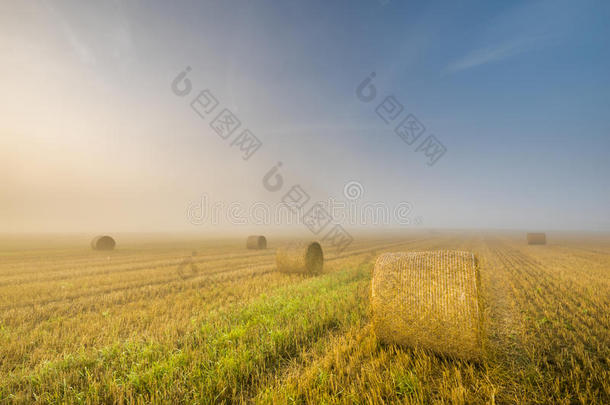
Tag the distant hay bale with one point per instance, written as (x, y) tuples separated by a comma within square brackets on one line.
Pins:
[(428, 300), (103, 242), (256, 242), (536, 238), (307, 258)]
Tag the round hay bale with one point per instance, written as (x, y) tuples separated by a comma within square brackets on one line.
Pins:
[(256, 242), (536, 238), (307, 258), (103, 242), (428, 300)]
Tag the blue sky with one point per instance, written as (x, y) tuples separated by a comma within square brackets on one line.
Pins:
[(518, 92)]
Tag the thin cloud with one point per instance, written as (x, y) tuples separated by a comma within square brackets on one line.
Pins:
[(80, 48), (116, 42), (493, 54)]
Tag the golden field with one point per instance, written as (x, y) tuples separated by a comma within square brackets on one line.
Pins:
[(79, 326)]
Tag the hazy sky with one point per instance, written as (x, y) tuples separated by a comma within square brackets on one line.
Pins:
[(93, 139)]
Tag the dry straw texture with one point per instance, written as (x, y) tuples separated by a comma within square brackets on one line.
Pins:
[(428, 300), (256, 242), (536, 238), (306, 258), (103, 242)]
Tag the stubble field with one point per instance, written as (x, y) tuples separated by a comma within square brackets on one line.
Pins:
[(151, 322)]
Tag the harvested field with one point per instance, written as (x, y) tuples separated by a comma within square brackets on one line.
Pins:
[(124, 326)]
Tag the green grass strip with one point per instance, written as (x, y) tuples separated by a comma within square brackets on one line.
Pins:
[(222, 361)]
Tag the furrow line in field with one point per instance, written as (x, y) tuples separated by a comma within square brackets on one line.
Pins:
[(553, 307), (167, 287), (122, 257), (113, 267), (174, 278), (567, 291)]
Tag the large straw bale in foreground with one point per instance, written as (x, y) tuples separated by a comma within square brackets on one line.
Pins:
[(307, 258), (103, 242), (536, 238), (256, 242), (429, 300)]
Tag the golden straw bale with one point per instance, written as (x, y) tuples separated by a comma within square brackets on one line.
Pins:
[(428, 300), (307, 258), (536, 238), (256, 242), (103, 242)]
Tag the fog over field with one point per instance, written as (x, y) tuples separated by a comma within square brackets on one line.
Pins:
[(92, 135)]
